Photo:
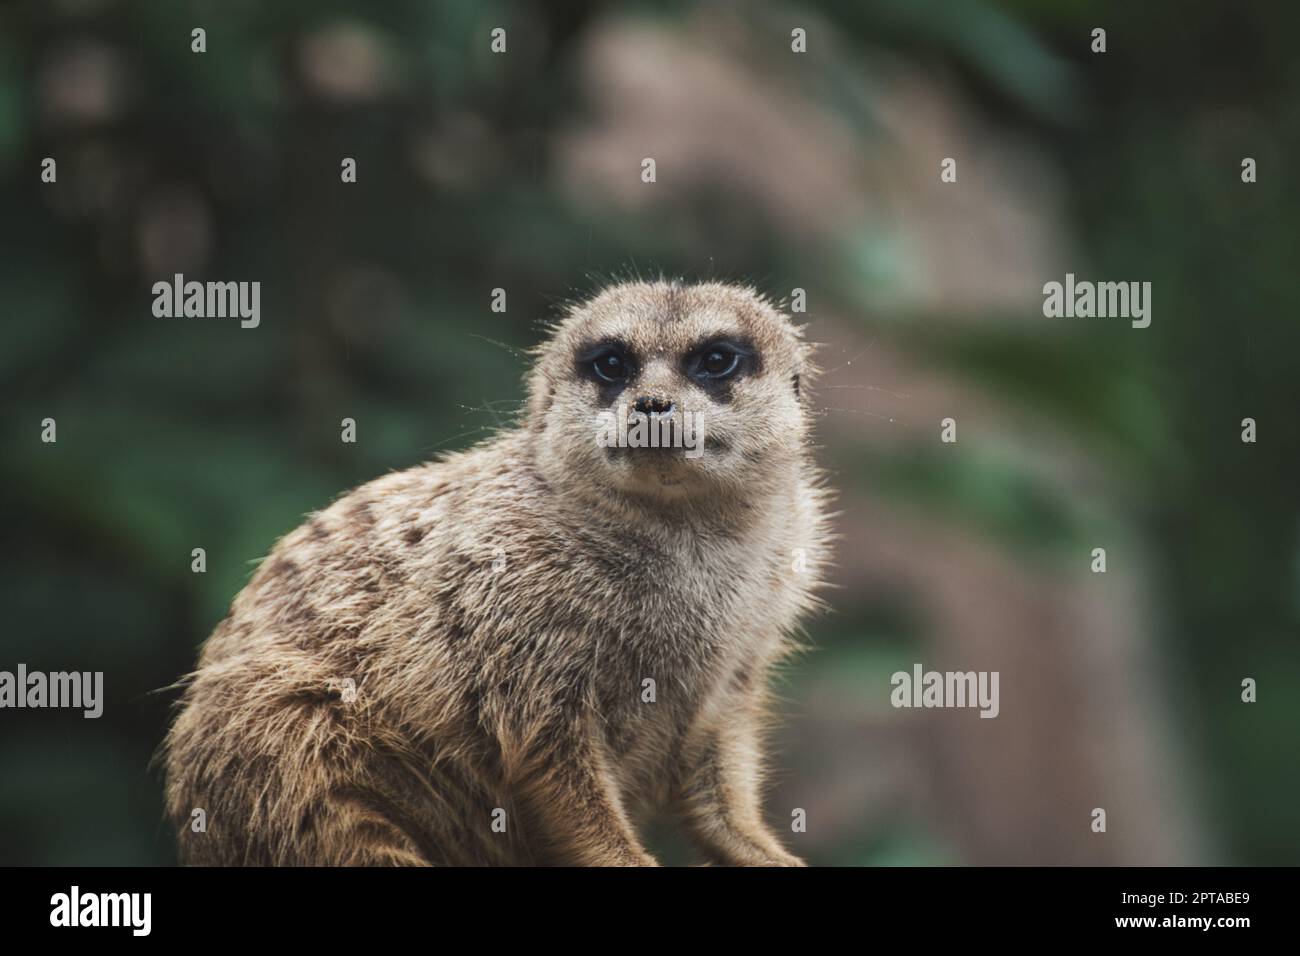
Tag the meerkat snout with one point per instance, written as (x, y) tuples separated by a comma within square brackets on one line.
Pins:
[(447, 665), (654, 405)]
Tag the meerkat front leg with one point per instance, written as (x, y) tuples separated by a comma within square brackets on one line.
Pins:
[(575, 799), (721, 802)]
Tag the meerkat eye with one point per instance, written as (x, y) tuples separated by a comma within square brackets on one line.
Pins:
[(610, 366), (717, 361)]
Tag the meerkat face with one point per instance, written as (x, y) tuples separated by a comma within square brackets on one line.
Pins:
[(666, 390)]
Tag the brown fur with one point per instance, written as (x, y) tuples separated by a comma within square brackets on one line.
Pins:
[(482, 687)]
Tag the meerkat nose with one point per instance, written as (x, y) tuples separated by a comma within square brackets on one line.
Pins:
[(653, 405)]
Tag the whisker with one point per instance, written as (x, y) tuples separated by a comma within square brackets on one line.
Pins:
[(852, 360), (862, 411), (512, 349), (872, 388)]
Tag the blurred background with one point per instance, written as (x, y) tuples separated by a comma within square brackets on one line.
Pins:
[(817, 171)]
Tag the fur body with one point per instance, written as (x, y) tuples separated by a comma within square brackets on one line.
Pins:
[(499, 612)]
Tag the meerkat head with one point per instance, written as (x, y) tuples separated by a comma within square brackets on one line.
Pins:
[(664, 390)]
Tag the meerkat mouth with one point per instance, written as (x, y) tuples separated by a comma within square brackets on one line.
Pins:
[(677, 434), (660, 455), (657, 463)]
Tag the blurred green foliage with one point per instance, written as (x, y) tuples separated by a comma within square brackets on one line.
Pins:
[(375, 306)]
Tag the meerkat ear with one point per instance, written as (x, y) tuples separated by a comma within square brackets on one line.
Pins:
[(541, 395), (795, 381), (539, 382)]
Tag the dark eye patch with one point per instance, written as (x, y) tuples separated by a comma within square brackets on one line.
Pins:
[(718, 361), (609, 363)]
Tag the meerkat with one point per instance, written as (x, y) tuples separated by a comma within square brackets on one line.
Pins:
[(512, 655)]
